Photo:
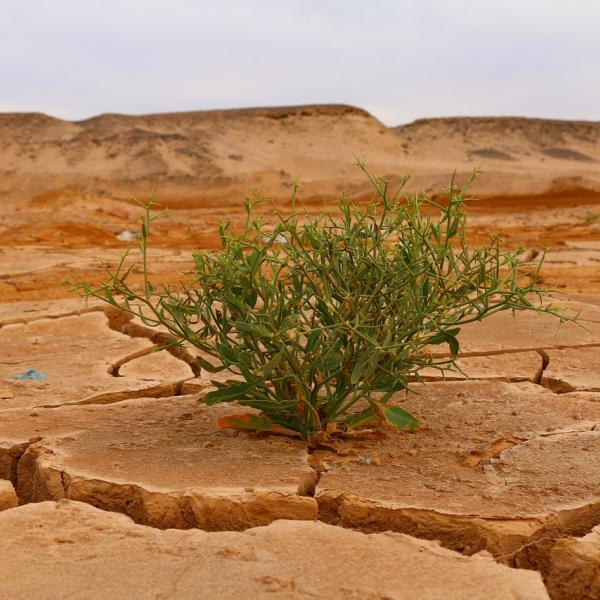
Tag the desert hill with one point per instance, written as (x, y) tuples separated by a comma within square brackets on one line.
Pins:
[(504, 138), (195, 157)]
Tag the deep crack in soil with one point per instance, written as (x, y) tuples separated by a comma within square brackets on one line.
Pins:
[(119, 320)]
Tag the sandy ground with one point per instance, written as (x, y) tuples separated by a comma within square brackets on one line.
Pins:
[(502, 474)]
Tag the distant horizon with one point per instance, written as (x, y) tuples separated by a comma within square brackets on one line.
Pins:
[(400, 60), (293, 106)]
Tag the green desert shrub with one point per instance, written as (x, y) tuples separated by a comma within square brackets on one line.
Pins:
[(321, 320)]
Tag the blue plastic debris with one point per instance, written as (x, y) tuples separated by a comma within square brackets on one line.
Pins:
[(31, 374)]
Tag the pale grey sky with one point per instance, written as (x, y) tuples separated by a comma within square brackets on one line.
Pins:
[(399, 59)]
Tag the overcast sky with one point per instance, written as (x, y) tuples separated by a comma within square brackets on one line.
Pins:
[(399, 59)]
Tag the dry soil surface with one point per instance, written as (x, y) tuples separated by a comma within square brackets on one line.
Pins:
[(105, 555), (503, 473)]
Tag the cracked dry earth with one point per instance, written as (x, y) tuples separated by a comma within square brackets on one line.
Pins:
[(112, 466), (114, 480)]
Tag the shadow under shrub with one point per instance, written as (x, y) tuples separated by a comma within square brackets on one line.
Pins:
[(323, 319)]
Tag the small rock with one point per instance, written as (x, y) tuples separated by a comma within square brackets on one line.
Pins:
[(127, 236), (279, 238), (6, 394)]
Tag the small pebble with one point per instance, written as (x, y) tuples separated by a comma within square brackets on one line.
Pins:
[(126, 236)]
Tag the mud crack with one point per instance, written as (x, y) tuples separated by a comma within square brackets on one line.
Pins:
[(545, 363), (495, 449), (121, 321), (161, 390), (53, 316), (538, 349), (10, 457)]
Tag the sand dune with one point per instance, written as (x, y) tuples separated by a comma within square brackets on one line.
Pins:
[(196, 157)]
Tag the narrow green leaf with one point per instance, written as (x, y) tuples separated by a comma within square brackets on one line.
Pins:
[(453, 344), (446, 337), (290, 322), (331, 361), (366, 415), (228, 354), (399, 418), (250, 296), (252, 328), (207, 366), (312, 340), (267, 369), (325, 313), (359, 368), (230, 392), (388, 383)]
